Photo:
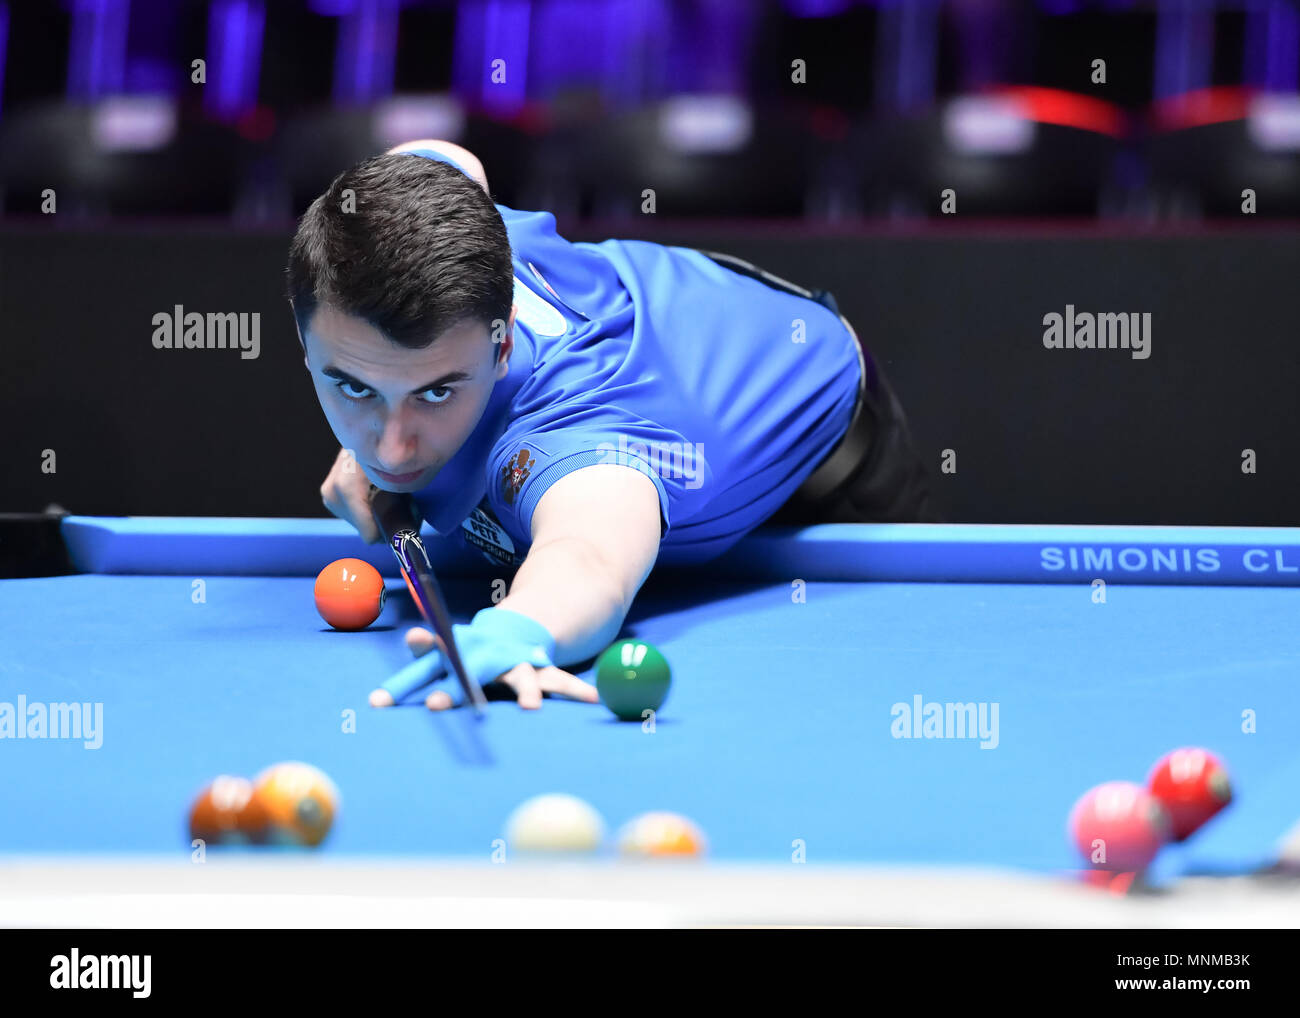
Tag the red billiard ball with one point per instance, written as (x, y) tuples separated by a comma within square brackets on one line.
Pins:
[(1119, 826), (300, 802), (349, 594), (228, 813), (1193, 785)]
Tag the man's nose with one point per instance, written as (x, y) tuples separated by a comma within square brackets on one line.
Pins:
[(397, 440)]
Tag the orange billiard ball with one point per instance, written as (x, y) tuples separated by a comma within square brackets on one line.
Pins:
[(349, 594), (300, 802), (227, 812), (661, 834)]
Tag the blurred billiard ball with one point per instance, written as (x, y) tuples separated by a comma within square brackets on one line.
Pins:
[(555, 823), (300, 802), (227, 812), (1119, 826), (660, 834), (1193, 785)]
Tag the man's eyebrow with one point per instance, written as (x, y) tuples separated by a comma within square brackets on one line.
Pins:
[(438, 383)]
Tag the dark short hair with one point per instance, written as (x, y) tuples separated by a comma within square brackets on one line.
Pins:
[(424, 251)]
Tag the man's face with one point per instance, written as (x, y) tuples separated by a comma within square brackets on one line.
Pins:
[(404, 413)]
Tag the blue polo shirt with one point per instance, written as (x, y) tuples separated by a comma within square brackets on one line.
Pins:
[(725, 392)]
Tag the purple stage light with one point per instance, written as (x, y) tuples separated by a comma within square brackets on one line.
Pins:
[(636, 56), (906, 54), (1274, 123), (97, 61), (234, 56), (1184, 48), (492, 40), (365, 62), (568, 45), (134, 123), (714, 47), (401, 118), (4, 40), (705, 124), (331, 8), (816, 8), (1283, 34), (150, 74), (988, 126), (631, 51)]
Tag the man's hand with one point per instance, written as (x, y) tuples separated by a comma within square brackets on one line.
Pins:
[(496, 646), (346, 493)]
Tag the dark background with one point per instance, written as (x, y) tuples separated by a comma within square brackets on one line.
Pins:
[(1041, 436), (1117, 196)]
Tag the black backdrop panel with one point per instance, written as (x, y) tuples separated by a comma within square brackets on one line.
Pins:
[(1039, 435), (143, 431)]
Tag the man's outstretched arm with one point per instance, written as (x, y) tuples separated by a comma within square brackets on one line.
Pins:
[(595, 539)]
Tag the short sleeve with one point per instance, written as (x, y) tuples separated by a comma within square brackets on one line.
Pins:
[(526, 463)]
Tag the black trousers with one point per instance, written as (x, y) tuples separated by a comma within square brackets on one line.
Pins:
[(888, 483), (874, 475)]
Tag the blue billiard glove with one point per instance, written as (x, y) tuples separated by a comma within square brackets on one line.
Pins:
[(492, 642)]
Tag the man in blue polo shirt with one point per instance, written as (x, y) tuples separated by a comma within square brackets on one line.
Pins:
[(580, 411)]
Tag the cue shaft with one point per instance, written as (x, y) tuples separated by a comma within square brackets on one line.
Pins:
[(398, 520)]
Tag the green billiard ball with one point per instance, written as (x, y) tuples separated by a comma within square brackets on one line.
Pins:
[(631, 677)]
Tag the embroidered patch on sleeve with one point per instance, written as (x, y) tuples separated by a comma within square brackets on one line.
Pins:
[(515, 473)]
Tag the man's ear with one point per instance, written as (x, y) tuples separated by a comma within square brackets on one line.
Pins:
[(298, 330), (507, 345)]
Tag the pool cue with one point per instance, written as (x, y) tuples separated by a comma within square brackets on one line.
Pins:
[(399, 523)]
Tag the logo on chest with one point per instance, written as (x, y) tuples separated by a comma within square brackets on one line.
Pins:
[(482, 530)]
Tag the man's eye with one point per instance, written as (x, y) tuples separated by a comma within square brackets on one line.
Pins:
[(436, 395), (353, 391)]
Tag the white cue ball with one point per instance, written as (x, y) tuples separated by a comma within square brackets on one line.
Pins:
[(555, 823)]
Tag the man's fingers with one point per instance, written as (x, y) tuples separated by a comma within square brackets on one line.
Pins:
[(526, 682), (346, 494), (439, 699), (530, 683), (329, 498), (417, 674), (362, 518), (522, 678), (420, 641), (420, 672), (559, 682)]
